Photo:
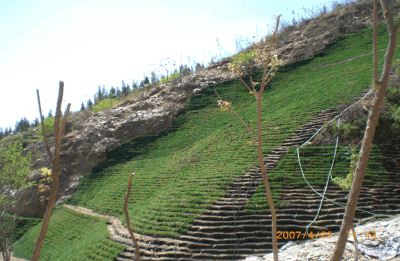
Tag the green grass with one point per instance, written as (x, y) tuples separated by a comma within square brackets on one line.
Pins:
[(315, 162), (105, 104), (22, 224), (85, 238), (179, 173)]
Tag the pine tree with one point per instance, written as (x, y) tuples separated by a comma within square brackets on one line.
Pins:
[(112, 93), (50, 114), (89, 104), (95, 100), (123, 85), (146, 80), (21, 125), (134, 85), (124, 89), (99, 97), (35, 122), (7, 131), (118, 92), (153, 78), (104, 92), (199, 67), (1, 133), (82, 107)]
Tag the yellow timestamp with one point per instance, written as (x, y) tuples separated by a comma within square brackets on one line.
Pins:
[(369, 234), (303, 235), (313, 235)]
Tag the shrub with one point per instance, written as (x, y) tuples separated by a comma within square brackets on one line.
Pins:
[(345, 183), (346, 131), (244, 57), (393, 94), (105, 104), (171, 77), (48, 126)]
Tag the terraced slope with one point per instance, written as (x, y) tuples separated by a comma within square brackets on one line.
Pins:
[(232, 229), (391, 158), (185, 174)]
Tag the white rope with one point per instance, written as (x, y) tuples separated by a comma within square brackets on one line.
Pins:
[(329, 174), (327, 180)]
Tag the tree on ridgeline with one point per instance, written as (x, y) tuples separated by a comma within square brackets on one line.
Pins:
[(118, 92), (184, 70), (9, 131), (50, 114), (35, 122), (104, 93), (89, 104), (124, 89), (123, 85), (144, 82), (21, 126), (153, 78), (134, 85), (112, 93), (99, 95), (199, 67), (82, 107)]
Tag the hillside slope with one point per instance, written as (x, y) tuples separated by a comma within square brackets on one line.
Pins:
[(184, 171)]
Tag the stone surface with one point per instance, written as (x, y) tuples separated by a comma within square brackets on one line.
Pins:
[(384, 246), (86, 140)]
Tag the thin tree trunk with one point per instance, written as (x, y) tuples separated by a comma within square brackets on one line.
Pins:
[(266, 183), (55, 171), (371, 126), (128, 223)]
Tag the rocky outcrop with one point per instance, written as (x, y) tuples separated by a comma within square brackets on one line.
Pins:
[(86, 140)]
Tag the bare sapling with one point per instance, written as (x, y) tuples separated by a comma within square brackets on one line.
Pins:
[(128, 223), (373, 118), (264, 54), (55, 171)]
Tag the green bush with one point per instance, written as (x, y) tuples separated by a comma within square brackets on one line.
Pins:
[(171, 77), (393, 94), (105, 104), (48, 126), (345, 183), (346, 131), (244, 57)]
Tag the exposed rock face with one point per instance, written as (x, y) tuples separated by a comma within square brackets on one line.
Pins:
[(85, 141)]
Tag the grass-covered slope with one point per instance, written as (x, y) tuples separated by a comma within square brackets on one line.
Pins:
[(179, 173), (316, 163), (71, 236)]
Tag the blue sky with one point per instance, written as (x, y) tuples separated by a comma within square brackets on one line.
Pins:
[(90, 43)]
